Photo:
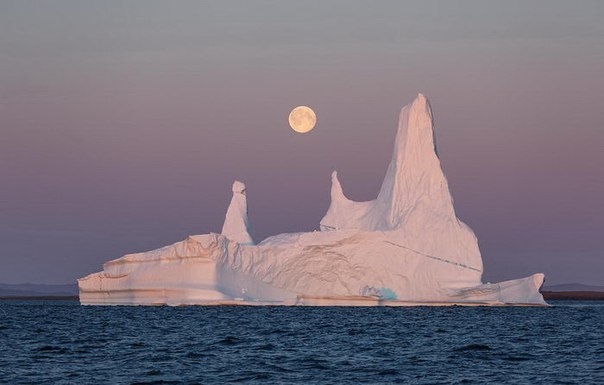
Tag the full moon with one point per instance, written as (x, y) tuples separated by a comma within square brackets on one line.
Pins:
[(302, 119)]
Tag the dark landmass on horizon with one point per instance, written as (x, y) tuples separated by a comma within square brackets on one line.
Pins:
[(38, 290), (573, 295), (31, 291), (571, 287), (547, 295), (41, 298)]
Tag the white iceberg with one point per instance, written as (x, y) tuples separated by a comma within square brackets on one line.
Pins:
[(406, 247)]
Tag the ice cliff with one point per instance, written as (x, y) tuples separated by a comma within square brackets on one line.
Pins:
[(406, 247)]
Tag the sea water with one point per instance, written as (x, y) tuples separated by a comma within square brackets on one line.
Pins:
[(61, 342)]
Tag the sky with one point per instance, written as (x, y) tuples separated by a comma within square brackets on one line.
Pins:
[(124, 124)]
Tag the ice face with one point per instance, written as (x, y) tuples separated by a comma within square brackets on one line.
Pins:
[(406, 247)]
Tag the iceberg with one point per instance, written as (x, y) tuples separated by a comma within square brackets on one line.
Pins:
[(407, 247)]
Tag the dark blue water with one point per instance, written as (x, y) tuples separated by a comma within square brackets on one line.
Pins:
[(60, 342)]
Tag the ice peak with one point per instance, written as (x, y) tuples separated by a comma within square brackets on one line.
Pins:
[(420, 98), (414, 175), (236, 226), (414, 181), (417, 117), (336, 187), (414, 199), (239, 187)]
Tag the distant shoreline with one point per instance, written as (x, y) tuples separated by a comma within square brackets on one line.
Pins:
[(573, 295), (547, 295), (41, 297)]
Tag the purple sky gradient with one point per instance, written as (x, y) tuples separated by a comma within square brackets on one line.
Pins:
[(123, 125)]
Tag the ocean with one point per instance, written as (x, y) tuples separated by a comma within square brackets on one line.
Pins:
[(61, 342)]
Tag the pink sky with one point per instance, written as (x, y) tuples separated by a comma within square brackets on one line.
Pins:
[(124, 125)]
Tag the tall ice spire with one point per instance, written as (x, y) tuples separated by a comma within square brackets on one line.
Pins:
[(236, 223)]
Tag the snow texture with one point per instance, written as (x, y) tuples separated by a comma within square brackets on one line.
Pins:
[(406, 247)]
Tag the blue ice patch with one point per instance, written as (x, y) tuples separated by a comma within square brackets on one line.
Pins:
[(387, 294), (380, 292)]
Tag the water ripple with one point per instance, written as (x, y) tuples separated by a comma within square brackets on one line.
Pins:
[(60, 342)]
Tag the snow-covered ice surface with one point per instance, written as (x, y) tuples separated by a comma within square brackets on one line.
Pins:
[(405, 248)]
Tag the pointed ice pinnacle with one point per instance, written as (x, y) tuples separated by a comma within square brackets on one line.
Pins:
[(413, 176), (414, 199), (236, 225)]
